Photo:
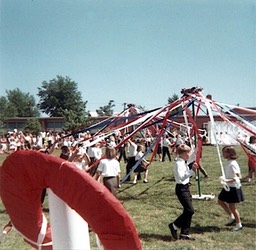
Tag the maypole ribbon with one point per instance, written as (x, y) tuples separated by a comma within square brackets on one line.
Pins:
[(208, 106)]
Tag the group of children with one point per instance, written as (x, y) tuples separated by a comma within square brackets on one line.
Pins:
[(109, 169)]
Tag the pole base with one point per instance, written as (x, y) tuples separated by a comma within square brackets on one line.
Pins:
[(203, 197)]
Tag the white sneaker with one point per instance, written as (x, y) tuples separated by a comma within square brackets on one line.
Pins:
[(134, 182), (235, 229), (145, 181)]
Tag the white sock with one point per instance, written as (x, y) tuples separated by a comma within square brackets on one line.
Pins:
[(232, 217), (175, 227)]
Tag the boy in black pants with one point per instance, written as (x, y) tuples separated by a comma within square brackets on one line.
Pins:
[(182, 173)]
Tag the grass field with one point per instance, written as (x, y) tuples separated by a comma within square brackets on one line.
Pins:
[(154, 205)]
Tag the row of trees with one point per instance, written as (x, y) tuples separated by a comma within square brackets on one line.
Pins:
[(58, 97)]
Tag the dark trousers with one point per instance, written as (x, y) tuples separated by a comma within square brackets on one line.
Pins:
[(185, 198), (166, 152), (130, 163), (122, 154)]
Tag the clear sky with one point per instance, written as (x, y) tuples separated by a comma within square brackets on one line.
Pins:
[(131, 51)]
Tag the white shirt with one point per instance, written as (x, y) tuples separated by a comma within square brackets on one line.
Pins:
[(231, 169), (166, 142), (95, 152), (182, 173), (138, 156), (132, 149), (109, 168)]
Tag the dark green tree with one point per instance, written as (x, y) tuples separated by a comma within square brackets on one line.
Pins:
[(33, 126), (60, 98), (106, 110), (172, 99), (3, 109), (17, 104), (20, 104)]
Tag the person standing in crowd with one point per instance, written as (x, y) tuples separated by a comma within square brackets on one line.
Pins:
[(109, 169), (178, 140), (79, 157), (94, 153), (166, 144), (121, 150), (132, 151), (143, 166), (64, 152), (159, 149), (227, 199), (182, 174), (251, 157)]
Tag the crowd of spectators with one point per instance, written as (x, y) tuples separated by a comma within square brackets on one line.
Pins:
[(18, 140)]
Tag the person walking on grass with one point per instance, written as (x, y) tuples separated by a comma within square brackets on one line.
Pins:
[(227, 199), (182, 174)]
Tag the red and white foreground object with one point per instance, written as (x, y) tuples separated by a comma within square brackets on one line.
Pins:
[(69, 229), (23, 176)]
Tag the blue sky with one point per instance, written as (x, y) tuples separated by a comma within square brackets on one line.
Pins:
[(131, 51)]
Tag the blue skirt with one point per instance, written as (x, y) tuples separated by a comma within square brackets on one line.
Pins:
[(234, 195)]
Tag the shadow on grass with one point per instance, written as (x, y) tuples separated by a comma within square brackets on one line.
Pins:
[(249, 225), (149, 237), (3, 211), (207, 229), (46, 210), (147, 185), (168, 238)]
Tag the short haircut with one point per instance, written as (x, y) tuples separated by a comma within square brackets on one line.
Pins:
[(231, 152), (182, 148), (252, 139)]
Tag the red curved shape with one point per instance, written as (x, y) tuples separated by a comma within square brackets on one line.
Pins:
[(23, 176)]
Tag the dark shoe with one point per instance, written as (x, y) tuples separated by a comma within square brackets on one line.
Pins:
[(231, 223), (173, 231), (186, 237)]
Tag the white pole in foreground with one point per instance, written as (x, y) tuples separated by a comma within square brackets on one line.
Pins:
[(69, 229)]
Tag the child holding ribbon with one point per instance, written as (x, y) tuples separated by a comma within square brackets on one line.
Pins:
[(232, 192)]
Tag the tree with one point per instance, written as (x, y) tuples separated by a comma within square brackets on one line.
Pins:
[(72, 120), (3, 109), (106, 110), (60, 98), (17, 104), (172, 99), (33, 126), (60, 94), (21, 104)]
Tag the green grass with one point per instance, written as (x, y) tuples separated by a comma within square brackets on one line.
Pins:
[(154, 205)]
